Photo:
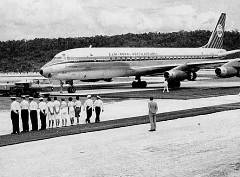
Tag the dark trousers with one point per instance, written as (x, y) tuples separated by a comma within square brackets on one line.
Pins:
[(34, 120), (97, 111), (15, 122), (43, 120), (89, 114), (24, 115), (77, 111)]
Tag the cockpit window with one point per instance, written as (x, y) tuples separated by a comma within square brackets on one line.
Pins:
[(57, 58)]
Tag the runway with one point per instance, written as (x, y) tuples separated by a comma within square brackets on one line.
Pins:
[(204, 143)]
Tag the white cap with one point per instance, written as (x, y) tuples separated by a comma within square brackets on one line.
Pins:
[(89, 96), (41, 98), (13, 97), (30, 98)]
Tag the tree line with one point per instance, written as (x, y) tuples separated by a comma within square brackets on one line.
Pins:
[(31, 55)]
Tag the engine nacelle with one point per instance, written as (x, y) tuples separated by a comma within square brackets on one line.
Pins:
[(175, 75), (229, 69), (226, 71)]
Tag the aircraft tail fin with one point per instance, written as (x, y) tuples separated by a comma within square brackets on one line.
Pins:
[(216, 38)]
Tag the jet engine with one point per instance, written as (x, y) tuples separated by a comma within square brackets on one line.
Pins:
[(229, 69), (175, 74), (180, 73)]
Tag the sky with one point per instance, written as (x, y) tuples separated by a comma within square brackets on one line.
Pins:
[(29, 19)]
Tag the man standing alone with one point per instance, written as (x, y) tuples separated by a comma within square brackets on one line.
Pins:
[(165, 86), (153, 108)]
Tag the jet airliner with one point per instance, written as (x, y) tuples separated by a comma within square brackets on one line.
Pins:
[(176, 64)]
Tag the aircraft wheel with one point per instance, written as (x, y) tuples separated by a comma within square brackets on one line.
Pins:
[(143, 84), (134, 84), (174, 84), (71, 90)]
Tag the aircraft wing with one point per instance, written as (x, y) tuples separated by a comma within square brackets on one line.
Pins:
[(230, 54), (195, 66), (159, 69)]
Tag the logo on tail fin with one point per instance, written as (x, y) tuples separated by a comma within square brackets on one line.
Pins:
[(219, 30), (216, 38)]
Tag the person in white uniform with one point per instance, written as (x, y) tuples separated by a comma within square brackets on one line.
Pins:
[(24, 114), (43, 113), (50, 106), (165, 86), (57, 113), (64, 112), (88, 106), (98, 107), (33, 106), (71, 110), (15, 108), (78, 106)]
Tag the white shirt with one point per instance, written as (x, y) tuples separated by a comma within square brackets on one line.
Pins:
[(24, 104), (33, 105), (98, 103), (78, 103), (71, 105), (57, 105), (165, 83), (88, 102), (42, 106), (64, 107), (15, 106), (50, 106)]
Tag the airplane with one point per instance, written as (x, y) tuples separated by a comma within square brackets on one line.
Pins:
[(176, 64)]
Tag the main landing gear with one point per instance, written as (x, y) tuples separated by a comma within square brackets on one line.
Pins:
[(174, 84), (71, 89), (139, 83)]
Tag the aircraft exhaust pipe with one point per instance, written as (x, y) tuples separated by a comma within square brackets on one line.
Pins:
[(166, 75), (218, 72)]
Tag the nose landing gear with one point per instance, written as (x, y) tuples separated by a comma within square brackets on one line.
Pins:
[(71, 89)]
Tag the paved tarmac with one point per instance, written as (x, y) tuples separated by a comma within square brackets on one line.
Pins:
[(110, 124), (202, 146)]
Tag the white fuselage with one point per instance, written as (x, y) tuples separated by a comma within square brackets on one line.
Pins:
[(104, 63)]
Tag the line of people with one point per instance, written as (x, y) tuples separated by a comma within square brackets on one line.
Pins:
[(53, 111)]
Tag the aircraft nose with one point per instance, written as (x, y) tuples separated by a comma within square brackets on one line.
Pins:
[(45, 73)]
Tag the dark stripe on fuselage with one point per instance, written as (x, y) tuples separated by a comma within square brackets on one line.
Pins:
[(128, 59)]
